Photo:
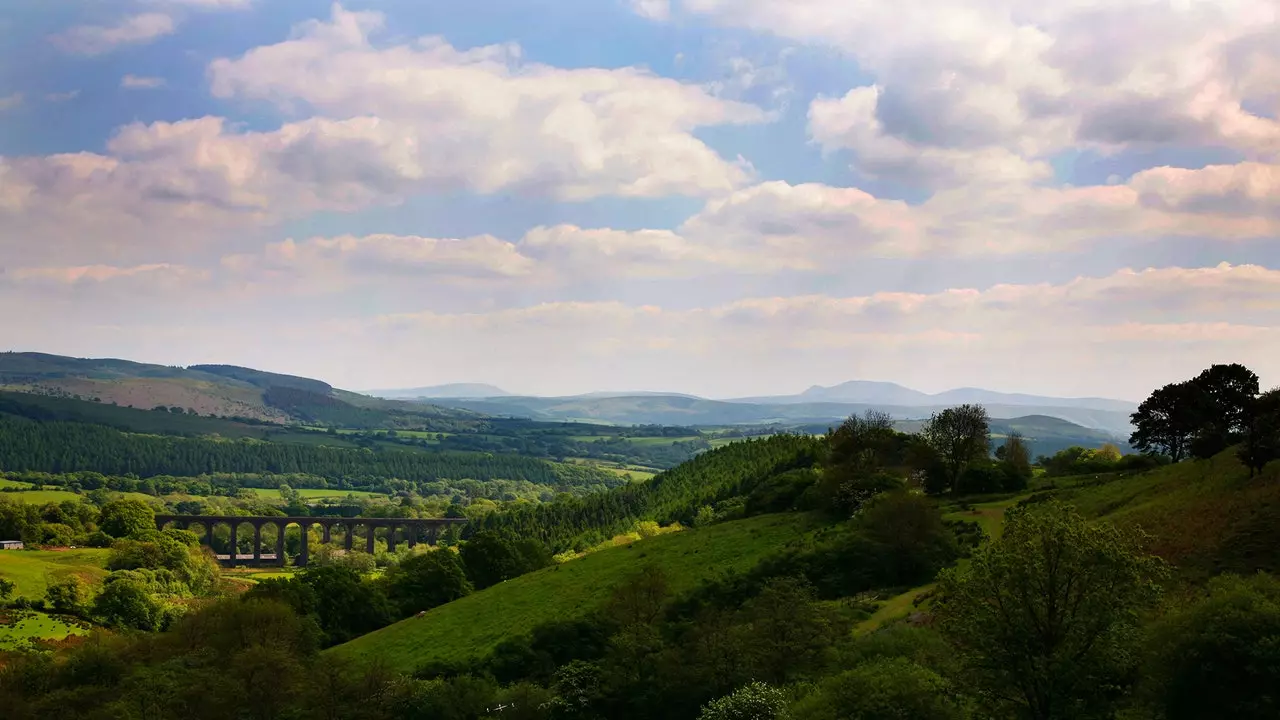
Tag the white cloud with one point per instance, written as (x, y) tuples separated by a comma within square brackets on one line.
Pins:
[(652, 9), (99, 39), (140, 82), (13, 100), (991, 88), (426, 115), (62, 96), (323, 263)]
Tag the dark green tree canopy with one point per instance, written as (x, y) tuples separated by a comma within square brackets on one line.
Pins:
[(122, 518), (959, 436), (1046, 616)]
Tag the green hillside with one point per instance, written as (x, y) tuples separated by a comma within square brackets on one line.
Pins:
[(470, 627), (33, 570), (1206, 516)]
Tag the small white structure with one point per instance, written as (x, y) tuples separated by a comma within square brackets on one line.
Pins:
[(11, 545)]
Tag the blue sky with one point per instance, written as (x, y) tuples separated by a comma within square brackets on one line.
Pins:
[(725, 197)]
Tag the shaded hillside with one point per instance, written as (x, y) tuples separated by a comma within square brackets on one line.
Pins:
[(219, 390), (263, 379), (1206, 516), (469, 628)]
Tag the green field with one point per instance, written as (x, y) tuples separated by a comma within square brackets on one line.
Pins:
[(639, 441), (470, 627), (6, 483), (316, 493), (32, 570), (22, 627), (41, 496), (47, 496)]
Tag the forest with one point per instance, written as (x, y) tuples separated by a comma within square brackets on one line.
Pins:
[(58, 447)]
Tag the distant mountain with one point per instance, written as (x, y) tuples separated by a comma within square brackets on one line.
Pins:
[(448, 390), (219, 390), (688, 410), (867, 392)]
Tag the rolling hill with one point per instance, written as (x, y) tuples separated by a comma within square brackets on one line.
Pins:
[(686, 410), (226, 391)]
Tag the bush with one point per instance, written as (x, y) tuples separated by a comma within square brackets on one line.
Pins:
[(882, 689), (427, 580), (65, 596), (756, 701), (780, 492), (127, 603), (1220, 657)]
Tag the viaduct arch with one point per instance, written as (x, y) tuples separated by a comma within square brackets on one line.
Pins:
[(427, 529)]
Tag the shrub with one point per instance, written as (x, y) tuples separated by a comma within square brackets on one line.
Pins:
[(756, 701), (885, 688)]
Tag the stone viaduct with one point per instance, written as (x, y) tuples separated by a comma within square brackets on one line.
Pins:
[(415, 529)]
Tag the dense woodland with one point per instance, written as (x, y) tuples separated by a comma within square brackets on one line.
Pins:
[(1060, 617), (67, 447)]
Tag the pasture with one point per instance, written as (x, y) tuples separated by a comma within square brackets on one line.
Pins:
[(471, 626), (273, 494), (19, 628), (33, 570)]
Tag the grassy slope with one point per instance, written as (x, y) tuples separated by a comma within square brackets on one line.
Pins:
[(472, 626), (1204, 516), (35, 626), (32, 570)]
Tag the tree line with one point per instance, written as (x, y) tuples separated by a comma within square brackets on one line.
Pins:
[(59, 447), (1199, 418)]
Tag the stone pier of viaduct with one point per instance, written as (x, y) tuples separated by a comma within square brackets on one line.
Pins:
[(415, 530)]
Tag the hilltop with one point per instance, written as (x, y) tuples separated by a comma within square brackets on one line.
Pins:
[(217, 390)]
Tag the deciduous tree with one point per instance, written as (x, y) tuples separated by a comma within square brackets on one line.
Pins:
[(1046, 616), (1262, 432), (1167, 422), (959, 436), (122, 518)]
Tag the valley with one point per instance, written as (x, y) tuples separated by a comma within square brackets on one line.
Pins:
[(645, 560)]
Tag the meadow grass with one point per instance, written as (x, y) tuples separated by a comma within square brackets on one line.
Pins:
[(33, 570), (26, 626), (41, 496), (6, 483), (469, 628), (315, 493)]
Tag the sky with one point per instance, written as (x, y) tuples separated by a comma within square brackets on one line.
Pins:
[(720, 197)]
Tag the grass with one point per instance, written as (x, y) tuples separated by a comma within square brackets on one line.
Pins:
[(42, 496), (988, 515), (256, 574), (6, 483), (23, 627), (470, 627), (1204, 516), (33, 570), (316, 493)]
